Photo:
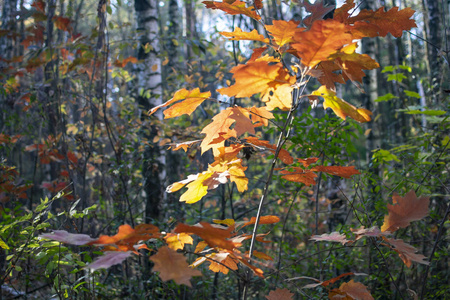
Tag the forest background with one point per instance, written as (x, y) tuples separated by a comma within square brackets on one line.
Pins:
[(291, 200)]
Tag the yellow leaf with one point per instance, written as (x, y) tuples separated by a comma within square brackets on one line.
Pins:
[(196, 189)]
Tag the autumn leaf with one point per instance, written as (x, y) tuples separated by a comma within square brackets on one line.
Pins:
[(221, 127), (234, 8), (280, 97), (324, 38), (191, 100), (184, 145), (68, 238), (369, 23), (177, 241), (326, 282), (370, 232), (261, 144), (262, 220), (257, 77), (221, 262), (235, 169), (212, 235), (172, 265), (108, 259), (345, 172), (260, 116), (280, 294), (404, 210), (239, 35), (124, 62), (283, 31), (300, 175), (317, 11), (332, 237), (340, 107), (406, 252), (355, 290)]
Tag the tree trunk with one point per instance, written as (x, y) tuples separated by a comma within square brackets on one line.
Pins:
[(149, 87)]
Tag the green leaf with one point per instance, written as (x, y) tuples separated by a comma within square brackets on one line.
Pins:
[(382, 155), (412, 94), (427, 112), (388, 69), (386, 97), (109, 9), (397, 77), (3, 244)]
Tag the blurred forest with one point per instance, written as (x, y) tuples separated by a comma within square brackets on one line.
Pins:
[(80, 152)]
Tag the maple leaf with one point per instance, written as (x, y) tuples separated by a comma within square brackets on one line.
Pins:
[(191, 100), (406, 252), (340, 107), (239, 35), (108, 259), (257, 77), (332, 237), (283, 31), (221, 127), (234, 8), (355, 290), (172, 265), (404, 210), (280, 294), (324, 38), (177, 241), (213, 236), (68, 238)]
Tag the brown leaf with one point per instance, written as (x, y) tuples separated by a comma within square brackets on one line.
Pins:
[(406, 252), (172, 265), (280, 294), (404, 210), (331, 237), (214, 236), (356, 290)]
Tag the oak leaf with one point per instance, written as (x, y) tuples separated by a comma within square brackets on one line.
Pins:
[(280, 294), (370, 232), (239, 35), (68, 238), (404, 210), (177, 241), (332, 237), (324, 38), (340, 107), (108, 259), (191, 100), (233, 8), (406, 252), (262, 220), (345, 172), (280, 97), (317, 10), (214, 236), (283, 31), (300, 175), (127, 237), (220, 128), (261, 144), (355, 290), (172, 265), (257, 77)]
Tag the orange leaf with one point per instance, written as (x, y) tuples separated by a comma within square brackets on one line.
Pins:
[(172, 265), (239, 35), (340, 107), (280, 294), (62, 23), (191, 100), (262, 220), (299, 175), (324, 38), (369, 23), (221, 126), (345, 172), (124, 62), (283, 31), (177, 241), (214, 236), (406, 252), (404, 210), (260, 116), (257, 77), (280, 97), (283, 154), (234, 8), (317, 10)]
